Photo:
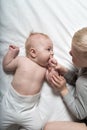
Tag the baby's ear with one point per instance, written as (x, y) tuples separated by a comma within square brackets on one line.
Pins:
[(33, 53)]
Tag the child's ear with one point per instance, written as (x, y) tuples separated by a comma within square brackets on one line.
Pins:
[(33, 53)]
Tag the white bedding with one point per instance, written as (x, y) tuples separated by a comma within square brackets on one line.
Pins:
[(58, 19)]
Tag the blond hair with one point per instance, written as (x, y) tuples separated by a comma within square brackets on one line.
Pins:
[(28, 43), (79, 41)]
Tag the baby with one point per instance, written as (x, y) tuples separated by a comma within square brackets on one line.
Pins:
[(20, 104)]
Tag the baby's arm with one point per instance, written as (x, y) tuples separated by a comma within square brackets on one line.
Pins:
[(9, 62)]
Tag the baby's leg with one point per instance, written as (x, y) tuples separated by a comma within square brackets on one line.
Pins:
[(65, 125)]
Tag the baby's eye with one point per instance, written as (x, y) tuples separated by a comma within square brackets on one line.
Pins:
[(48, 49)]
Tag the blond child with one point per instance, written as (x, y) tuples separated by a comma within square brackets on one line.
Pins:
[(20, 103), (77, 102)]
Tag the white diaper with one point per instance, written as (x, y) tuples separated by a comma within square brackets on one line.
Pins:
[(22, 110)]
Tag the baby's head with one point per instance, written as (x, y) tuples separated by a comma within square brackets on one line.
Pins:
[(39, 47), (79, 48)]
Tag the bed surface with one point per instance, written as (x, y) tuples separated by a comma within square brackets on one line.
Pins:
[(58, 19)]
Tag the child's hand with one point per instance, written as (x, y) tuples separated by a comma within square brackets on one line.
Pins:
[(58, 82), (61, 69), (53, 64)]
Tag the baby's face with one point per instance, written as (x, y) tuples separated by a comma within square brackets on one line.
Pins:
[(77, 58), (44, 51)]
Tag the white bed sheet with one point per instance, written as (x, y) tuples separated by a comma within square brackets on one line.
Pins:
[(58, 19)]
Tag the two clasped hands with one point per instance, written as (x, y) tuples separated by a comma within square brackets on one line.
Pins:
[(56, 76)]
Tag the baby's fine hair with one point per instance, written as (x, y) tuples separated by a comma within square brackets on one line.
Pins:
[(79, 40), (28, 41)]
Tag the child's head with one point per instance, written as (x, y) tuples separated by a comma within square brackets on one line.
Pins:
[(79, 48), (39, 48)]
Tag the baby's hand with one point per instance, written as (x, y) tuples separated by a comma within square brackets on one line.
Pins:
[(49, 74), (12, 47), (14, 50), (52, 62)]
